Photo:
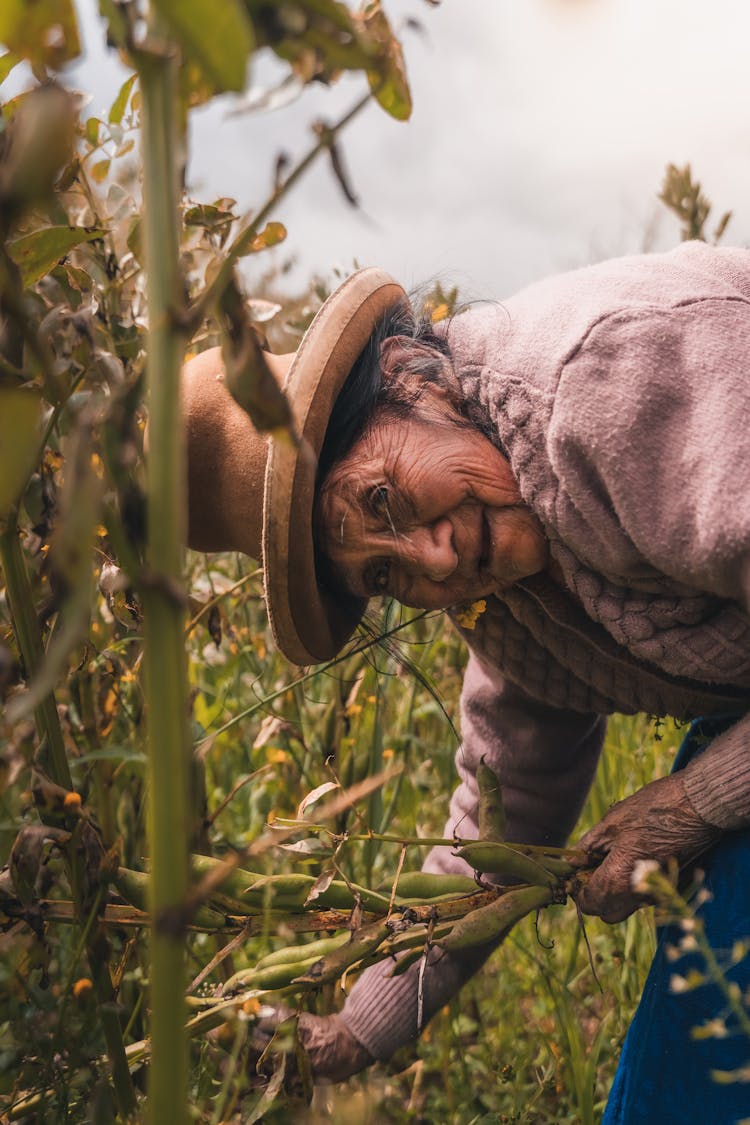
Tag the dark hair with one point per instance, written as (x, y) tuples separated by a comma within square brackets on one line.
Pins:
[(366, 391)]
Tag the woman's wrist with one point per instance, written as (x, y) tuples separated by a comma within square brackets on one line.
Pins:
[(717, 781)]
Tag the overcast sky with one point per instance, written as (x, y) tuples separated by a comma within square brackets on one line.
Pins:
[(540, 133)]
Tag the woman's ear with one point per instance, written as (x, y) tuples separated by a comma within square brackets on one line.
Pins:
[(402, 356), (402, 353)]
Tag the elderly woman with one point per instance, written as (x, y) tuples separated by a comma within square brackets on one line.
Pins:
[(579, 457)]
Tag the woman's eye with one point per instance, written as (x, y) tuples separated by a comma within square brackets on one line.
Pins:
[(380, 577), (379, 498)]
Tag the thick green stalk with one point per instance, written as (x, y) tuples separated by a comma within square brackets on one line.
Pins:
[(20, 598), (164, 605)]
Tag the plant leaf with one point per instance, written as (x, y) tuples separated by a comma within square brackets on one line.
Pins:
[(45, 32), (218, 37), (387, 77), (37, 253), (271, 235), (7, 62), (120, 104)]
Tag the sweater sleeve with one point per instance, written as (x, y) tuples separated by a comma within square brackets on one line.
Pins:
[(545, 759), (650, 441)]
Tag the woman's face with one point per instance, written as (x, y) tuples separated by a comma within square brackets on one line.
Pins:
[(426, 510)]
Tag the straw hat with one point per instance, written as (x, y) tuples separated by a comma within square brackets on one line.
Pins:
[(248, 493)]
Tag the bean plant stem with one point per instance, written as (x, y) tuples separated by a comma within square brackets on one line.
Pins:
[(164, 609), (20, 598)]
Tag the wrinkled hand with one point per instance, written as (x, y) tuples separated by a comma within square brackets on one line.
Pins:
[(658, 822), (333, 1052)]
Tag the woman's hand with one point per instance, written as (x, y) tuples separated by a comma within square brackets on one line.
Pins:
[(658, 822), (334, 1052)]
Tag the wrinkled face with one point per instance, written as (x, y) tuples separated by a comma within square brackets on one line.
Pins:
[(427, 510)]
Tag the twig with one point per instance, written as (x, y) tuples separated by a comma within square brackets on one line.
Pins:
[(394, 888), (219, 597), (233, 793), (216, 960)]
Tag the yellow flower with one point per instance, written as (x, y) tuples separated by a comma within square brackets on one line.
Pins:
[(82, 988), (439, 312), (72, 802), (468, 615)]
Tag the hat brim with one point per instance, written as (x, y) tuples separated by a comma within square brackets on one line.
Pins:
[(309, 625)]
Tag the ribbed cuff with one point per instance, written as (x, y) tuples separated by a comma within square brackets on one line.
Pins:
[(717, 782)]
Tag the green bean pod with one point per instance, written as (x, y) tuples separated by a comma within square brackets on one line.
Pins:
[(558, 866), (236, 880), (491, 809), (495, 858), (340, 896), (492, 922), (363, 942), (134, 888), (425, 885), (273, 976), (313, 950)]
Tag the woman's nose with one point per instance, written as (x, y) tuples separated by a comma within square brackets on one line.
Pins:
[(429, 551)]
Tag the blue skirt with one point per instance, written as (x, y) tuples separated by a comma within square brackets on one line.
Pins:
[(664, 1075)]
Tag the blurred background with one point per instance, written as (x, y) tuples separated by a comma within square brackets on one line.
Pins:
[(538, 142)]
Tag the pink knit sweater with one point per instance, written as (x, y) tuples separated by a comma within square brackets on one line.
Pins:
[(621, 396)]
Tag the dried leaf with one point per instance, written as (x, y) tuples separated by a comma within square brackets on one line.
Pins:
[(262, 311), (315, 795), (321, 884), (271, 1091), (270, 728), (247, 375), (26, 856), (310, 847)]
